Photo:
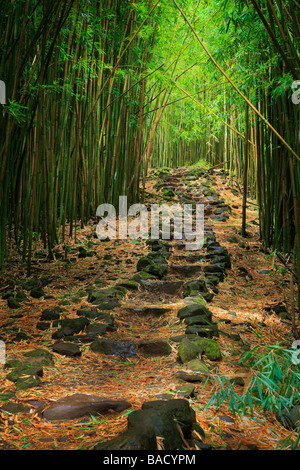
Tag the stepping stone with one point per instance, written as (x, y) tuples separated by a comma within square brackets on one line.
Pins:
[(130, 285), (195, 287), (216, 251), (162, 416), (214, 268), (155, 311), (185, 270), (114, 348), (24, 371), (192, 346), (97, 329), (204, 331), (14, 408), (66, 349), (154, 348), (158, 245), (198, 320), (214, 280), (195, 299), (188, 377), (155, 265), (197, 365), (42, 356), (42, 325), (6, 395), (76, 325), (84, 338), (106, 294), (193, 310), (185, 391), (27, 382), (50, 314), (78, 405)]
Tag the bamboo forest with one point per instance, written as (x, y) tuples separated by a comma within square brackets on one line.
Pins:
[(149, 227)]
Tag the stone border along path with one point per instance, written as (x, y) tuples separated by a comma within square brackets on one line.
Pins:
[(193, 279)]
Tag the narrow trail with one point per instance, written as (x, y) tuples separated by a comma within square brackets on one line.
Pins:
[(132, 295)]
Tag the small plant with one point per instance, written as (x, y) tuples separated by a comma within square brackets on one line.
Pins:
[(273, 385)]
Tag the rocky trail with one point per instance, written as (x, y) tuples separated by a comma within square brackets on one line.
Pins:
[(118, 344)]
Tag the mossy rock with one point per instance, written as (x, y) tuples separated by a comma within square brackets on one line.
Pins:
[(6, 395), (191, 347), (156, 270), (49, 314), (197, 365), (20, 296), (27, 382), (30, 283), (37, 292), (42, 355), (178, 409), (194, 287), (194, 309), (211, 349), (195, 299), (75, 325), (204, 331), (23, 371), (107, 293), (7, 295), (13, 303), (99, 282), (208, 296), (143, 276), (285, 315), (129, 284), (168, 193)]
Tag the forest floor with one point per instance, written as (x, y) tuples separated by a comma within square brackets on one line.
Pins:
[(242, 307)]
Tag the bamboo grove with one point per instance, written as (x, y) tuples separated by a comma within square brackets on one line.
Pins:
[(101, 90), (232, 105), (72, 130)]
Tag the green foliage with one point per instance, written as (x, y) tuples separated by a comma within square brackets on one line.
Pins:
[(273, 385)]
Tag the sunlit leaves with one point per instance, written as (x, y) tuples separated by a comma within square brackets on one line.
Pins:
[(273, 385)]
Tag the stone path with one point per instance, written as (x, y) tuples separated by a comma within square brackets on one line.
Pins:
[(171, 292)]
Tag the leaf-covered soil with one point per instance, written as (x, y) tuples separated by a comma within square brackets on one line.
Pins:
[(243, 305)]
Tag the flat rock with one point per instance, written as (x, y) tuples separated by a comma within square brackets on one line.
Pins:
[(189, 377), (192, 310), (66, 349), (14, 408), (114, 348), (78, 405), (50, 314), (155, 348), (97, 329), (151, 310)]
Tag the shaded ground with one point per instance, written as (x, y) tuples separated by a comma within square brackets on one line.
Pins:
[(254, 284)]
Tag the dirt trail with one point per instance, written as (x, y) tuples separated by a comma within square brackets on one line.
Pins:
[(149, 314)]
